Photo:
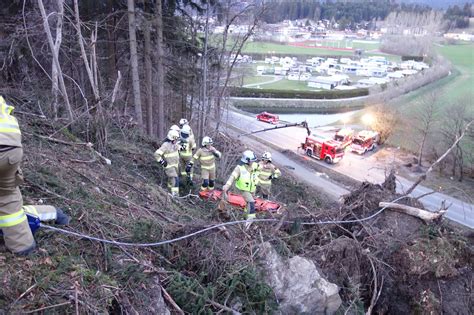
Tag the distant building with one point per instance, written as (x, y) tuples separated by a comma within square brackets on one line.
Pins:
[(459, 36)]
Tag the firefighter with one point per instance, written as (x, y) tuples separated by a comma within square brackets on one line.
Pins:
[(188, 144), (184, 121), (13, 220), (167, 155), (267, 172), (245, 176), (175, 128), (206, 155)]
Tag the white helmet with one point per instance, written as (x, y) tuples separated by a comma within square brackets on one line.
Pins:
[(183, 121), (248, 156), (206, 141), (267, 156), (185, 131), (175, 128), (173, 135)]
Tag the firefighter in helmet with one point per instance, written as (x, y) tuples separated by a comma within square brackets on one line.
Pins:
[(175, 128), (188, 144), (13, 220), (267, 172), (206, 155), (245, 176), (184, 121), (167, 155)]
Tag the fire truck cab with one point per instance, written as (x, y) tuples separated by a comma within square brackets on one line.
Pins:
[(344, 136), (267, 117), (366, 140), (322, 148)]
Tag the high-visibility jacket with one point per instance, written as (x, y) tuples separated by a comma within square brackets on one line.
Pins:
[(10, 134), (168, 152), (245, 177), (187, 147), (206, 157), (265, 171)]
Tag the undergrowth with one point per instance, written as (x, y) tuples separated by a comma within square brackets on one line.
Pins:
[(216, 271)]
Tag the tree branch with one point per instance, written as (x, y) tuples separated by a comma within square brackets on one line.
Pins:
[(423, 176)]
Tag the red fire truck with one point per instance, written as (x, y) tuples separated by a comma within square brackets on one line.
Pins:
[(344, 136), (366, 140), (267, 117), (322, 148)]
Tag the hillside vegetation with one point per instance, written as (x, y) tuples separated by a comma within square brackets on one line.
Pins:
[(127, 201)]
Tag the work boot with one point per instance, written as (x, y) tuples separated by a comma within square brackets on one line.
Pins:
[(61, 217), (27, 251), (250, 215)]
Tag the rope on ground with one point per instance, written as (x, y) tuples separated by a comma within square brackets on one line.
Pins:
[(164, 242)]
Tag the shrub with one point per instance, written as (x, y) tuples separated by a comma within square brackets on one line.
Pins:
[(415, 58), (271, 93)]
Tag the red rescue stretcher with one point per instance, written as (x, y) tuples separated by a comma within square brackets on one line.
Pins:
[(239, 201)]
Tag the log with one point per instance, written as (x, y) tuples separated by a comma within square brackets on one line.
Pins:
[(425, 215)]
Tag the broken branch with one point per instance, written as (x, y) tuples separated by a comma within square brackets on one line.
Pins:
[(425, 215)]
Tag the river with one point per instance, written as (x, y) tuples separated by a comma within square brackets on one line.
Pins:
[(316, 119)]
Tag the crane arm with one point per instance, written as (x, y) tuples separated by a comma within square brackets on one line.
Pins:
[(302, 124)]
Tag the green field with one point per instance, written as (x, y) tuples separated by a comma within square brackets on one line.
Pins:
[(257, 79), (285, 84), (457, 87), (275, 48), (271, 48)]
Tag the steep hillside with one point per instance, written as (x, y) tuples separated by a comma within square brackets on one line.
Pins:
[(218, 270), (125, 201)]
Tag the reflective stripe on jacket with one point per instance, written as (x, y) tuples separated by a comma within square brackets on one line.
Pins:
[(12, 219), (44, 213), (206, 157), (168, 152), (10, 134), (265, 171)]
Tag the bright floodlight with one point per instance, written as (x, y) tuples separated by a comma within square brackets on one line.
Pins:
[(368, 119)]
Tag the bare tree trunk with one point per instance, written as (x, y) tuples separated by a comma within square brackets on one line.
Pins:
[(87, 65), (55, 60), (54, 70), (160, 108), (422, 146), (134, 63), (204, 97), (111, 64), (149, 90)]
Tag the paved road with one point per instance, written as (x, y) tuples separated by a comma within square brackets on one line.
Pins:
[(365, 167)]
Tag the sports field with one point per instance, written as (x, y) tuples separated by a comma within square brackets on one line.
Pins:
[(273, 48)]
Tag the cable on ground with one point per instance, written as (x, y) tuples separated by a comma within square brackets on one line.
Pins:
[(164, 242)]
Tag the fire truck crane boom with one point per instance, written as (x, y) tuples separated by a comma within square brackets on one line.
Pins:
[(302, 124)]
